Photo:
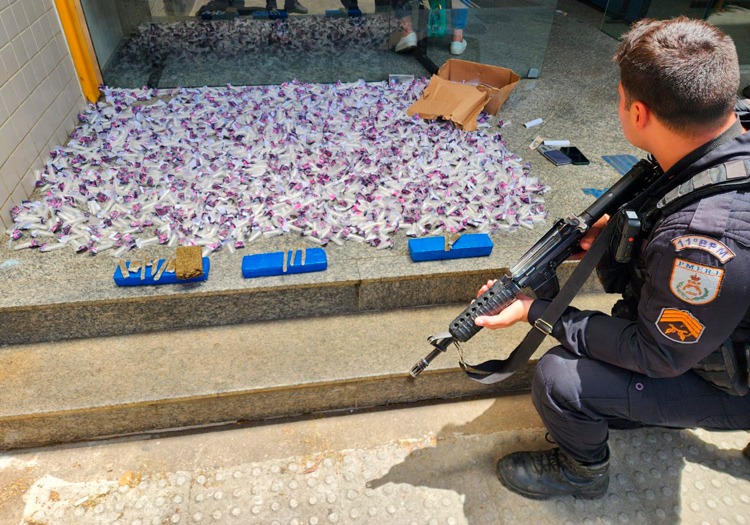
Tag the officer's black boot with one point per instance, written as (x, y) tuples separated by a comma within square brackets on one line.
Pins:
[(746, 452), (542, 475)]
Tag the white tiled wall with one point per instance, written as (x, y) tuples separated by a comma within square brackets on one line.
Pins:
[(40, 95)]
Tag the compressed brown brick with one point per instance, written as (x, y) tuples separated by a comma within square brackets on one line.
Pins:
[(189, 263)]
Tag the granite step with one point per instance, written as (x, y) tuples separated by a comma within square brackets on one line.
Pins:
[(60, 295), (59, 392)]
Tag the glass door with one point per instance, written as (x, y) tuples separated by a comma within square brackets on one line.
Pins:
[(733, 17), (187, 43), (619, 14)]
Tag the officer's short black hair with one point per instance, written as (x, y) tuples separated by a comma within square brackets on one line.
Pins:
[(684, 70)]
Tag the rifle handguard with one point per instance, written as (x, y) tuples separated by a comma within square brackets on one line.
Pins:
[(493, 301)]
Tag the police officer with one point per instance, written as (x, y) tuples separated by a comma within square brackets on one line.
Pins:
[(675, 351)]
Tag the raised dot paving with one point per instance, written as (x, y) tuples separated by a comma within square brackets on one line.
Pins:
[(657, 476)]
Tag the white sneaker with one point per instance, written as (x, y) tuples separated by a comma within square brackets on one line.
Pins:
[(407, 43), (458, 48)]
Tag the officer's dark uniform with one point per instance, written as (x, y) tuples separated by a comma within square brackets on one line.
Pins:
[(675, 351)]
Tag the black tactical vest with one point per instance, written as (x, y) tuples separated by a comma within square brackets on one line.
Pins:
[(727, 367)]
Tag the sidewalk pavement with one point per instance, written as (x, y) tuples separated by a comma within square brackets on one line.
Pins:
[(431, 464)]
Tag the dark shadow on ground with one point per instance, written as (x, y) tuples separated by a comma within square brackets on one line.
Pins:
[(657, 475)]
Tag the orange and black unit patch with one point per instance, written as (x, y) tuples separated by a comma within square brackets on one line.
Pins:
[(679, 326)]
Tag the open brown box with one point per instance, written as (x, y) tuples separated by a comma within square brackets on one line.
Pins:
[(462, 89)]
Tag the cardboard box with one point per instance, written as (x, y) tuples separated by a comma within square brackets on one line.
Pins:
[(497, 81), (462, 89), (460, 103)]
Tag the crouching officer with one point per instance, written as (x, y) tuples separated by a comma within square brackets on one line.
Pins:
[(675, 351)]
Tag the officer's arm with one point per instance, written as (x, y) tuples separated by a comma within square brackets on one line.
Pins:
[(690, 304)]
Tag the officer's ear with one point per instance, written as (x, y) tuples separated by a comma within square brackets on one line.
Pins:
[(640, 114)]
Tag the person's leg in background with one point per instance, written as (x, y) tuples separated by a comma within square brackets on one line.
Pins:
[(459, 14), (290, 6), (293, 6), (402, 10)]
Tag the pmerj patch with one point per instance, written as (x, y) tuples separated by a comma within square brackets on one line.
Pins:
[(679, 326), (700, 242), (695, 283)]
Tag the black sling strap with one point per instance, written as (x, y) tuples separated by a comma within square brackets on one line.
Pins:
[(724, 177), (497, 370)]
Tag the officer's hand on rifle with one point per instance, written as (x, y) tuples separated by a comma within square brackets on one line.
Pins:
[(502, 303), (590, 236), (517, 311)]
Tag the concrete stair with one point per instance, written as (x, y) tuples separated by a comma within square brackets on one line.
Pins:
[(81, 358), (79, 389), (60, 295)]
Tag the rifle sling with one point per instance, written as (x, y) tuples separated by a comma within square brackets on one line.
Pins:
[(497, 370)]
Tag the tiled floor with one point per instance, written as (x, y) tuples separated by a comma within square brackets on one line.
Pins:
[(431, 464), (160, 8)]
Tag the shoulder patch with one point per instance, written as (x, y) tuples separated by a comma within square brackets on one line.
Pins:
[(700, 242), (679, 326), (695, 283)]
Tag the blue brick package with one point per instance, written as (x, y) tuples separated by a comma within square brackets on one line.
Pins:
[(434, 249), (155, 274), (283, 263)]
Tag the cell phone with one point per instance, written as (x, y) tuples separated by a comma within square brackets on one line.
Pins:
[(578, 158), (555, 156)]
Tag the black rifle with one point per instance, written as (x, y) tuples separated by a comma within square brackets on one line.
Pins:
[(536, 270)]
